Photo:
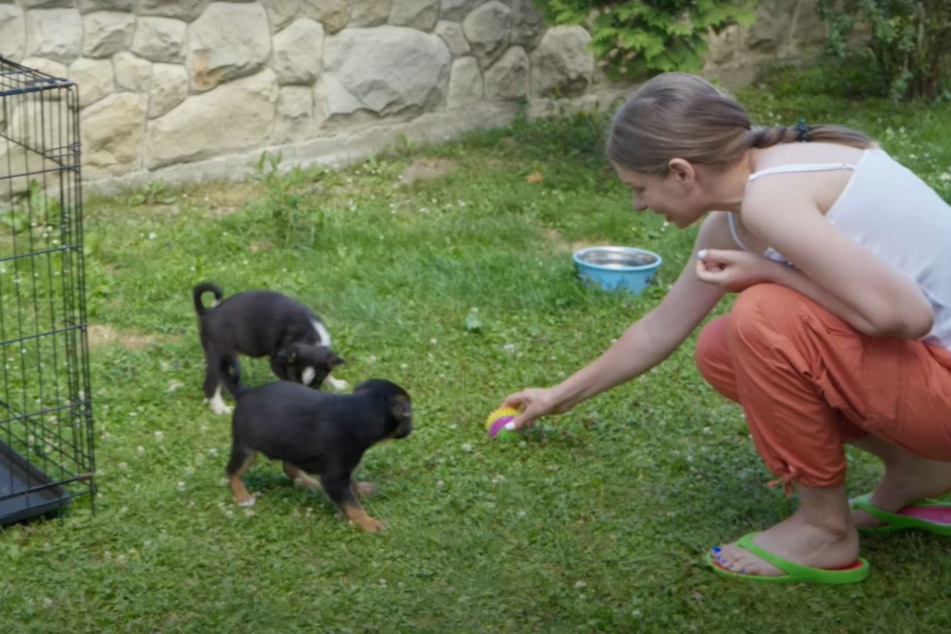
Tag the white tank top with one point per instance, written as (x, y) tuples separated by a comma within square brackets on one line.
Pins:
[(898, 217)]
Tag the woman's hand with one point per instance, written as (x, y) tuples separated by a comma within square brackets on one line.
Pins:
[(734, 271), (534, 403)]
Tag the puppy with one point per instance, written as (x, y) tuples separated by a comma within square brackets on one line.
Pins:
[(263, 324), (314, 432)]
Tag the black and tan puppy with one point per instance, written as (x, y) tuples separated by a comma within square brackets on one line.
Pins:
[(316, 433), (263, 324)]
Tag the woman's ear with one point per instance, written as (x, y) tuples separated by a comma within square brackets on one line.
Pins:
[(681, 170)]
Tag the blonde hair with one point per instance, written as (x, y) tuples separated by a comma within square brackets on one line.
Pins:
[(676, 115)]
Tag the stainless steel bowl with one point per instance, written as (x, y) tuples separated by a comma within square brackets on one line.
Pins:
[(617, 257)]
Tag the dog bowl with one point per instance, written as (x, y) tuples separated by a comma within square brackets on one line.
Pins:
[(617, 268)]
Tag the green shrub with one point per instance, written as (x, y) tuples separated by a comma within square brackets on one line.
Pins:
[(636, 39), (909, 42)]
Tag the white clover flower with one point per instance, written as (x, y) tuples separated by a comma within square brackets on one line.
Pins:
[(159, 436), (181, 486)]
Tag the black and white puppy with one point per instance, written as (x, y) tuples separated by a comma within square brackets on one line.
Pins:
[(263, 324), (313, 432)]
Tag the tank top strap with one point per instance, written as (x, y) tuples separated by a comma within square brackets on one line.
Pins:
[(802, 167)]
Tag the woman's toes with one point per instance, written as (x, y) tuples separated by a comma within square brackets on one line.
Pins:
[(742, 561)]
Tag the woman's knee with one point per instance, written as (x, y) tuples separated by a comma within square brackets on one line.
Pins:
[(763, 311), (713, 359)]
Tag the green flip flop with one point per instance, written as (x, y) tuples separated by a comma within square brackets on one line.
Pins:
[(795, 573), (929, 515)]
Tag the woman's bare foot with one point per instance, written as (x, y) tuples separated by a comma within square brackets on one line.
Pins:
[(797, 540), (906, 480), (819, 535)]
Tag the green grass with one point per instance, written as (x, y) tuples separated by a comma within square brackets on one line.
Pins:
[(595, 524)]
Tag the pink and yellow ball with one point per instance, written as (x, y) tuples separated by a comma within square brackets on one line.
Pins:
[(495, 423)]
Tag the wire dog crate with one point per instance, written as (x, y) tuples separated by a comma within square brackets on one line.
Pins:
[(46, 441)]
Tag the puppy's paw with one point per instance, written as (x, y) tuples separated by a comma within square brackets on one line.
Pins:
[(370, 525), (365, 489), (248, 501), (219, 407), (338, 384)]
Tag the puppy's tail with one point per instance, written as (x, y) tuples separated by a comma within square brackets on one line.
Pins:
[(231, 375), (201, 289)]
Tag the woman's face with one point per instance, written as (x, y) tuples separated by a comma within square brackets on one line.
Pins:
[(674, 195)]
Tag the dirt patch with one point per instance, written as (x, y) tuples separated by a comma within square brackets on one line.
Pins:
[(426, 169), (102, 335), (561, 244), (263, 245), (223, 198)]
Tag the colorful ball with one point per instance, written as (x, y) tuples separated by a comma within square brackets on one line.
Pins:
[(495, 423)]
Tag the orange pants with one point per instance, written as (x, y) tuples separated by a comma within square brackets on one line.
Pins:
[(808, 383)]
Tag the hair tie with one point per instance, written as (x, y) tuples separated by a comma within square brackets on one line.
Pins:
[(803, 130)]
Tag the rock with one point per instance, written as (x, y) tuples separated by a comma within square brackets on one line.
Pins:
[(416, 14), (465, 83), (527, 25), (169, 88), (216, 55), (236, 116), (333, 14), (88, 6), (457, 9), (186, 10), (160, 39), (451, 33), (295, 115), (385, 70), (112, 134), (298, 52), (281, 13), (55, 34), (107, 33), (94, 77), (12, 32), (132, 73), (369, 13), (507, 80), (562, 64), (488, 29)]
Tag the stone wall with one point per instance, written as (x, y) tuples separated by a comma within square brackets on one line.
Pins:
[(785, 30), (184, 90)]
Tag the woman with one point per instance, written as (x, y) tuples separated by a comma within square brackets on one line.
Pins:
[(841, 332)]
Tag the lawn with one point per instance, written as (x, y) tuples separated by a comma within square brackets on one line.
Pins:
[(446, 269)]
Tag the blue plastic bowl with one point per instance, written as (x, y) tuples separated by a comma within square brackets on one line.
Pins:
[(617, 268)]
